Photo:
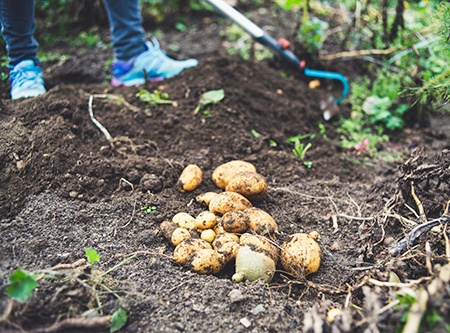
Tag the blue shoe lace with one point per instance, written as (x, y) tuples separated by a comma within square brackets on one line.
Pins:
[(26, 80), (152, 65)]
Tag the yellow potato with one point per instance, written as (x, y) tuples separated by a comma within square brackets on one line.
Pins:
[(184, 220), (179, 235), (208, 235), (227, 252), (205, 198), (187, 248), (261, 222), (205, 261), (251, 185), (235, 221), (224, 238), (226, 201), (260, 244), (300, 255), (218, 228), (223, 173), (205, 220), (190, 178)]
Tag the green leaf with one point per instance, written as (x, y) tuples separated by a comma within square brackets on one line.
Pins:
[(92, 255), (155, 98), (118, 320), (255, 134), (21, 285), (210, 97)]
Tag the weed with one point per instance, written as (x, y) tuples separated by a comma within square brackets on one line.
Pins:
[(155, 98), (300, 148), (148, 209), (210, 98)]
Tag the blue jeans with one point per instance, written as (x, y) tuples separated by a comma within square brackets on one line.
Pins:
[(18, 25)]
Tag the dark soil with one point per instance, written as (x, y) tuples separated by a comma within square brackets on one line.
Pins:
[(64, 188)]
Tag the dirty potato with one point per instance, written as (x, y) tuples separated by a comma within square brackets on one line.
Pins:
[(227, 252), (205, 198), (260, 244), (187, 248), (251, 185), (205, 220), (261, 222), (184, 220), (208, 235), (235, 221), (190, 178), (205, 261), (179, 235), (224, 238), (300, 255), (224, 172), (227, 201), (167, 228)]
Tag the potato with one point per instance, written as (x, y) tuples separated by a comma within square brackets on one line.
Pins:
[(252, 265), (224, 238), (250, 184), (190, 178), (235, 221), (184, 220), (167, 229), (226, 201), (300, 255), (179, 235), (205, 220), (227, 252), (260, 244), (261, 222), (187, 248), (224, 172), (205, 198), (218, 228), (205, 261), (208, 235)]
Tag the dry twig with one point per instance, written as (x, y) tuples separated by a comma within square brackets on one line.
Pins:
[(72, 323)]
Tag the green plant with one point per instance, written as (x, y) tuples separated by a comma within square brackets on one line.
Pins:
[(210, 98), (312, 32), (155, 98), (148, 209), (300, 148)]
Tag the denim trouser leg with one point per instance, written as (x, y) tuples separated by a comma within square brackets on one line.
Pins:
[(127, 33), (17, 21)]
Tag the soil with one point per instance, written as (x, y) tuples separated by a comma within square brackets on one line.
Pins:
[(65, 188)]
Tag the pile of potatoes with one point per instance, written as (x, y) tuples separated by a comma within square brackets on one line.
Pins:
[(232, 229)]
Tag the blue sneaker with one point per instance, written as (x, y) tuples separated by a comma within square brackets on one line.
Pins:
[(152, 65), (26, 80)]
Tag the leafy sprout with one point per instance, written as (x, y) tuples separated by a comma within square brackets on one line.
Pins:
[(209, 98)]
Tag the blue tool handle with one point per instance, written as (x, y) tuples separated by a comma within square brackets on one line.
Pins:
[(330, 75)]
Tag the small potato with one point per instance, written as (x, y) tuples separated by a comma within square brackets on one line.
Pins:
[(208, 235), (205, 261), (205, 198), (218, 228), (179, 235), (205, 220), (224, 238), (261, 222), (184, 220), (226, 201), (190, 178), (167, 229), (251, 185), (187, 248), (227, 252), (223, 173), (235, 221), (300, 255), (260, 244)]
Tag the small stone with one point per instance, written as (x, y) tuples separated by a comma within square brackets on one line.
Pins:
[(151, 182), (20, 164), (73, 194), (258, 309), (245, 322), (235, 296), (335, 246)]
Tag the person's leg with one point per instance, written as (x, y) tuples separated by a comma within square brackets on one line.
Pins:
[(136, 59), (125, 22), (17, 26), (17, 20)]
